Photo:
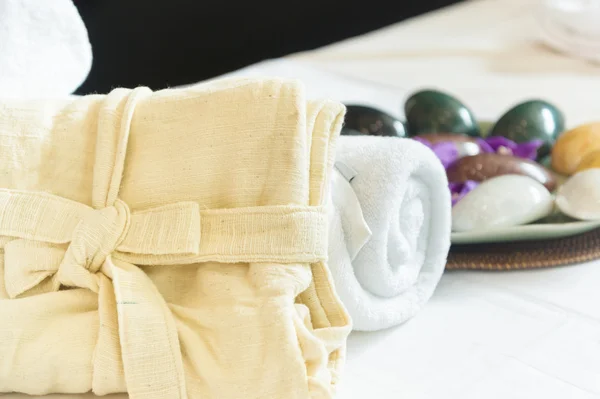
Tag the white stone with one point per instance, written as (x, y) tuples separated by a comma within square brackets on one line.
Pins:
[(467, 148), (503, 201), (579, 197)]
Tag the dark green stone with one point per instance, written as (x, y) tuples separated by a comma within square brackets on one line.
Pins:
[(431, 111), (351, 132), (535, 119), (365, 120), (545, 161)]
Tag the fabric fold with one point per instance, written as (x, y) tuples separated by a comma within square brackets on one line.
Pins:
[(387, 258)]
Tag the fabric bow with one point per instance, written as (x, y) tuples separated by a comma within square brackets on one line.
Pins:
[(62, 242)]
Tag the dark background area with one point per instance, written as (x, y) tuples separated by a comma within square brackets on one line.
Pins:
[(168, 43)]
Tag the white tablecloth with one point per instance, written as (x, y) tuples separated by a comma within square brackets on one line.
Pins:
[(505, 335)]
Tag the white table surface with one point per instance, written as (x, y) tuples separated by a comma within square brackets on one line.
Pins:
[(504, 335), (486, 52)]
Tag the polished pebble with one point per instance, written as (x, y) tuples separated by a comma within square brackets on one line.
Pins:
[(466, 149), (579, 196), (488, 165), (573, 146), (431, 111), (502, 201), (350, 132), (531, 120), (590, 161), (372, 122), (546, 161)]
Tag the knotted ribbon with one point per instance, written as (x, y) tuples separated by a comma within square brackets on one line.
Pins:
[(42, 223)]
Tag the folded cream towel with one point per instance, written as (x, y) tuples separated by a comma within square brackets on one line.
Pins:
[(44, 48), (388, 252), (169, 244)]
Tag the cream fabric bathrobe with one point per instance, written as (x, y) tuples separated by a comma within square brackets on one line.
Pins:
[(169, 244)]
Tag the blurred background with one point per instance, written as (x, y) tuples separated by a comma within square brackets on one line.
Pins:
[(167, 43)]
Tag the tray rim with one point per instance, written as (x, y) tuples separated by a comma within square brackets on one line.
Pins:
[(529, 232)]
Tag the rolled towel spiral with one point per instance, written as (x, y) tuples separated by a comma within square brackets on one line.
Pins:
[(389, 228)]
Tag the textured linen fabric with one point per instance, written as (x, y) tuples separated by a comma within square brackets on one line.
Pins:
[(169, 244)]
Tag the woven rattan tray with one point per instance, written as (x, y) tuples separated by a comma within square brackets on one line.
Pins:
[(526, 254)]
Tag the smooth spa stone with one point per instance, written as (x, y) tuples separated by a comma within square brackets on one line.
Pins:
[(431, 111), (465, 145), (573, 146), (590, 161), (503, 201), (546, 161), (488, 165), (372, 122), (579, 196), (531, 120), (350, 132)]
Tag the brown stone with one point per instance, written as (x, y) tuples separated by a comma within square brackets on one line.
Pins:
[(485, 166)]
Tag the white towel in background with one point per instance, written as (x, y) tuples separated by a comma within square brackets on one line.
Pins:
[(44, 48), (387, 255), (572, 27)]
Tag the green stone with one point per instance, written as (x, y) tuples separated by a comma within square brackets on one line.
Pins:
[(431, 111), (531, 120), (365, 120), (545, 161)]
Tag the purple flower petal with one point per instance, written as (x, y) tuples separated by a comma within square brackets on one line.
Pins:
[(528, 150), (497, 142), (485, 147), (446, 151), (502, 145), (459, 190)]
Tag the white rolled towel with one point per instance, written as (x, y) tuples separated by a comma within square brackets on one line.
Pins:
[(389, 228), (44, 48)]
